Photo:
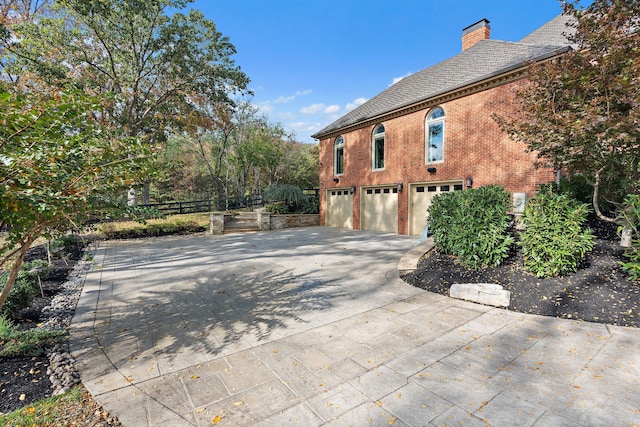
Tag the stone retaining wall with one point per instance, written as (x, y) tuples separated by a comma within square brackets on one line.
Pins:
[(266, 221), (278, 222)]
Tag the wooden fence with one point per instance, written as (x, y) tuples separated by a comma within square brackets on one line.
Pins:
[(195, 206)]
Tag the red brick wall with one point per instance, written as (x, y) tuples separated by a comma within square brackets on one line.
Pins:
[(474, 146)]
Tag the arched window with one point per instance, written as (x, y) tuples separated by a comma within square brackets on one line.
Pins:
[(378, 147), (338, 156), (435, 136)]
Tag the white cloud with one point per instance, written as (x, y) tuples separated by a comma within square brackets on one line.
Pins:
[(287, 99), (355, 103), (265, 107), (331, 109), (304, 130), (397, 79), (286, 115), (312, 109), (284, 100), (304, 127)]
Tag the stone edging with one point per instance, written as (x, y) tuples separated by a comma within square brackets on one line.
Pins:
[(482, 293), (409, 261)]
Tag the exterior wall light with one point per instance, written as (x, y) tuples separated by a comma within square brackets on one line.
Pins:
[(400, 186), (469, 181), (353, 189), (431, 170), (336, 179)]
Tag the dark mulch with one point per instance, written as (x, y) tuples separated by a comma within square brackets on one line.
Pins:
[(598, 292), (24, 380)]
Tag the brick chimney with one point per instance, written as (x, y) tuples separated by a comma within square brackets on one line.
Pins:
[(474, 33)]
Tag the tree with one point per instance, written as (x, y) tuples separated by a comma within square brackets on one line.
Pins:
[(154, 63), (59, 167), (238, 150), (580, 111), (303, 164)]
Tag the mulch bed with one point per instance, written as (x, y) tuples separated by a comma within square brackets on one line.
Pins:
[(598, 292), (24, 380)]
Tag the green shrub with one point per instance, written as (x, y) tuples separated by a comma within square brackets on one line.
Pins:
[(554, 240), (278, 208), (577, 187), (63, 245), (6, 327), (292, 196), (32, 342), (176, 224), (311, 205), (629, 216), (143, 213), (25, 288), (472, 225), (290, 199)]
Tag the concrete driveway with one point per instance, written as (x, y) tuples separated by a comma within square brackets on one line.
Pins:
[(312, 326)]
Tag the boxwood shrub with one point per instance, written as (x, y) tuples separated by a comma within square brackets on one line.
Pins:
[(473, 225)]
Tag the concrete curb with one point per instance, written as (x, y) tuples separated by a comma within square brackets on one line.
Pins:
[(409, 261)]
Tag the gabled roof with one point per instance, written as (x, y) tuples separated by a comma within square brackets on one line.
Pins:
[(553, 33), (482, 61)]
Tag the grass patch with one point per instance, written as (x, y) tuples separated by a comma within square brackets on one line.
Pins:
[(74, 408), (175, 224)]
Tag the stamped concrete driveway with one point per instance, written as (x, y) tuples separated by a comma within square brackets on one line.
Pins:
[(312, 326)]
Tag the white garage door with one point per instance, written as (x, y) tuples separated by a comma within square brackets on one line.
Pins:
[(380, 209), (339, 209), (420, 200)]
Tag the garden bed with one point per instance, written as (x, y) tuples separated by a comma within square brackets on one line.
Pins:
[(599, 291)]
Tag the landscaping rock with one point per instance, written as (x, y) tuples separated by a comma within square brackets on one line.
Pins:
[(483, 293)]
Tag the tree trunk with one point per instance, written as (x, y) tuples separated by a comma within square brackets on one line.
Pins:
[(146, 192), (16, 268), (596, 194)]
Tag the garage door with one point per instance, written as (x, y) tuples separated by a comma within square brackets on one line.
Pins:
[(339, 209), (420, 199), (380, 209)]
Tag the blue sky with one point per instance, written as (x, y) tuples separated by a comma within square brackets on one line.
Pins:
[(311, 61)]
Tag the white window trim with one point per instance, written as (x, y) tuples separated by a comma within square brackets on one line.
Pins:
[(426, 142), (374, 137), (336, 146)]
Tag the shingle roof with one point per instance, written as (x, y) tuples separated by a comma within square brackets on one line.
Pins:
[(485, 59), (553, 33)]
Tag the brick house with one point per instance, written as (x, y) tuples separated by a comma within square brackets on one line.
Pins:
[(432, 132)]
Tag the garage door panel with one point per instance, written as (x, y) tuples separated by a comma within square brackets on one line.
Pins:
[(339, 209), (380, 209), (420, 199)]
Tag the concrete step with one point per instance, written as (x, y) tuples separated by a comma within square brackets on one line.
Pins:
[(246, 216), (239, 228), (242, 222)]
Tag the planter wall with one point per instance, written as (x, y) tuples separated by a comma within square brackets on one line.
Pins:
[(278, 222)]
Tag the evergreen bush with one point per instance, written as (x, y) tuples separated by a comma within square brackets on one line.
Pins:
[(554, 240), (473, 225), (25, 288)]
